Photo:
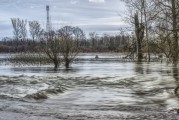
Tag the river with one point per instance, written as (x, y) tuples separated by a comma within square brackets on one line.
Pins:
[(90, 90)]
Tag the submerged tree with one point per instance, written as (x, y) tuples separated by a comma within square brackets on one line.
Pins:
[(61, 46), (69, 43), (50, 45)]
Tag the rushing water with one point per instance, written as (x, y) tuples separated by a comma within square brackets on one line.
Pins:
[(89, 90)]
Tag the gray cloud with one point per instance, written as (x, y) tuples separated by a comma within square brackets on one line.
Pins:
[(91, 15)]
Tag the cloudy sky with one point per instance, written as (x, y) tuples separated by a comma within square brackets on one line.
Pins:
[(101, 16)]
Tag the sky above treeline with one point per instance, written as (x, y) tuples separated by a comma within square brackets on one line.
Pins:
[(100, 16)]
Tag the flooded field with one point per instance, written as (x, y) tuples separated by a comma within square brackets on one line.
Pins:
[(90, 90)]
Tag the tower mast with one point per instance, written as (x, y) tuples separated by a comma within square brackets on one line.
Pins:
[(48, 26)]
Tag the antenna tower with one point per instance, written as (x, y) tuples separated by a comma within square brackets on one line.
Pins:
[(48, 26)]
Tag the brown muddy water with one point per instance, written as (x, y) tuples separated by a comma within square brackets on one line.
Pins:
[(90, 90)]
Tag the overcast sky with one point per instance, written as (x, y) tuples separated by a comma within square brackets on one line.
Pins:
[(101, 16)]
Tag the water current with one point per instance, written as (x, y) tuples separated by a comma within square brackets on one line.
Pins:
[(89, 90)]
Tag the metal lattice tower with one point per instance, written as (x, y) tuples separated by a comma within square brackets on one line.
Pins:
[(48, 26)]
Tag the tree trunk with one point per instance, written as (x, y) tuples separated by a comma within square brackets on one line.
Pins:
[(139, 30), (175, 34), (67, 64), (146, 30), (56, 64), (33, 39)]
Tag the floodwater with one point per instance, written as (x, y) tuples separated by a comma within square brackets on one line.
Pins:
[(90, 90)]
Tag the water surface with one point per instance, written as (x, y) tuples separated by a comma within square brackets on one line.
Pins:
[(89, 90)]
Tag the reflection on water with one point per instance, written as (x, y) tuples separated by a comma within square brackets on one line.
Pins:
[(139, 68), (176, 78), (89, 86)]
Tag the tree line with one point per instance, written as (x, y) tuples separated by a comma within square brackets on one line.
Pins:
[(21, 42)]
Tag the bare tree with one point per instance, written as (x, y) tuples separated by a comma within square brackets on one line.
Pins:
[(62, 45), (69, 47), (169, 13), (79, 35), (94, 39), (34, 28), (16, 30), (146, 14), (19, 30), (23, 29), (50, 46)]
